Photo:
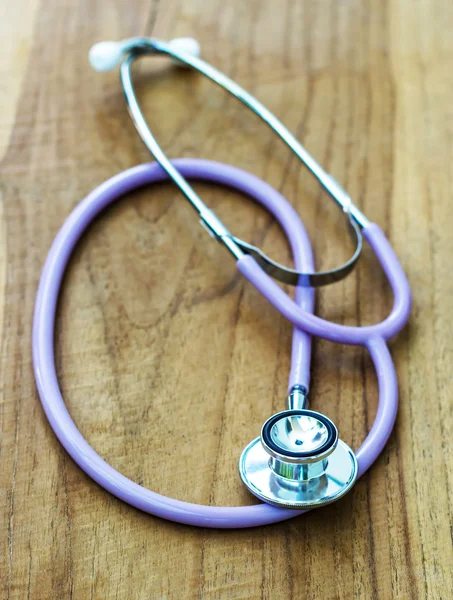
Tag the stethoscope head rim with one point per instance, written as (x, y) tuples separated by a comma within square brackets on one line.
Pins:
[(299, 427)]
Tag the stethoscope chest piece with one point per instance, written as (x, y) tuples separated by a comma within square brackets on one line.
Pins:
[(298, 462)]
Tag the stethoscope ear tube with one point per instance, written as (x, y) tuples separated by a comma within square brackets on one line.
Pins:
[(238, 248)]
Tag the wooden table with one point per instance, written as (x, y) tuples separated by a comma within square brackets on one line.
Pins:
[(169, 361)]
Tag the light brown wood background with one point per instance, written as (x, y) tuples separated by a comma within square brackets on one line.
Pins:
[(169, 362)]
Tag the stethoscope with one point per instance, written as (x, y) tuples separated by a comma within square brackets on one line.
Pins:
[(298, 462)]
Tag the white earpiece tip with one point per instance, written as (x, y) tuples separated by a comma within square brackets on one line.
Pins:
[(105, 56), (186, 46)]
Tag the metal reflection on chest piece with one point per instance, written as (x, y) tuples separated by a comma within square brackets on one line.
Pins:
[(298, 462)]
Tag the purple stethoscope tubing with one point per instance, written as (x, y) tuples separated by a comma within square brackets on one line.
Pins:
[(298, 311)]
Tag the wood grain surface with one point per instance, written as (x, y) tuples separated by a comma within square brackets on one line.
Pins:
[(169, 362)]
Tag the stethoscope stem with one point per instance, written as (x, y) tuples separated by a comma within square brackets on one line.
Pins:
[(297, 398)]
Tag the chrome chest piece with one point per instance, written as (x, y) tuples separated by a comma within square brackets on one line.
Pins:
[(298, 461)]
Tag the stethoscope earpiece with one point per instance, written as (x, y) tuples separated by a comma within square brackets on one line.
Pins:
[(298, 461), (105, 56)]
